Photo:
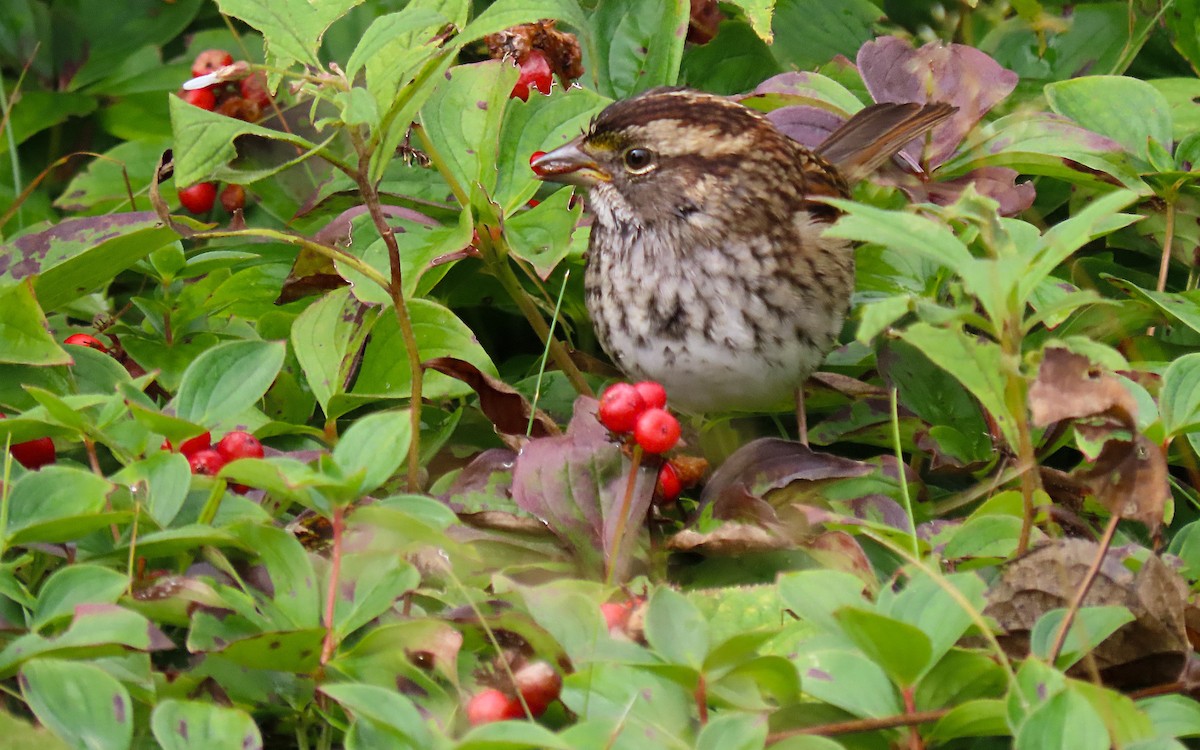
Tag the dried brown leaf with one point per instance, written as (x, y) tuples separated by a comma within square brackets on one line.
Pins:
[(1147, 651), (1069, 386), (501, 403)]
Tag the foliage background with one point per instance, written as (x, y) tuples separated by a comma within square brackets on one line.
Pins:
[(1021, 367)]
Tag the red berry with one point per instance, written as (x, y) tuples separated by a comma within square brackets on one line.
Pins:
[(254, 88), (199, 198), (616, 614), (34, 454), (233, 198), (202, 98), (210, 60), (239, 444), (207, 462), (83, 339), (656, 431), (669, 487), (491, 705), (539, 685), (535, 71), (192, 445), (620, 407), (652, 393)]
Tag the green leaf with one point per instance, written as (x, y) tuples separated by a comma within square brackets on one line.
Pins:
[(815, 595), (1179, 400), (542, 235), (733, 732), (192, 725), (640, 44), (78, 256), (385, 707), (758, 13), (540, 124), (385, 372), (40, 110), (23, 735), (973, 361), (809, 33), (463, 119), (849, 680), (98, 630), (204, 145), (903, 650), (512, 735), (1096, 102), (327, 337), (1065, 720), (1088, 630), (379, 580), (227, 379), (375, 445), (1173, 715), (100, 188), (82, 703), (978, 718), (24, 339), (57, 504), (73, 585), (736, 60), (165, 479), (292, 28), (926, 604), (292, 577), (675, 629)]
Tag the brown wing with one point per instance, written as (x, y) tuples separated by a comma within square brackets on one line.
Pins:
[(874, 134)]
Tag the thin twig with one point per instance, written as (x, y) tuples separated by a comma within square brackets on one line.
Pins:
[(626, 503), (861, 725), (903, 479), (1061, 637)]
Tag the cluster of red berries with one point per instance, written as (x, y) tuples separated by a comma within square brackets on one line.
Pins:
[(245, 100), (534, 71), (640, 409), (204, 459), (536, 682)]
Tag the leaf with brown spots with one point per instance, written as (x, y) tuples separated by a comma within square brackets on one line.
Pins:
[(1069, 386)]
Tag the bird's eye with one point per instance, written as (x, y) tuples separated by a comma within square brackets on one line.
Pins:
[(639, 160)]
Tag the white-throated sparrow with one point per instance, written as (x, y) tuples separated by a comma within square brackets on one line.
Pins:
[(707, 271)]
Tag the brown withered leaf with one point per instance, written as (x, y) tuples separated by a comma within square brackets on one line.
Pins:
[(734, 538), (1069, 386), (838, 550), (1129, 478), (501, 403), (1148, 651), (560, 47)]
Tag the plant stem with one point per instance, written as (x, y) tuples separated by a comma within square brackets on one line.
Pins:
[(537, 390), (614, 556), (335, 570), (1060, 638), (395, 289), (912, 523), (1015, 397), (494, 252), (861, 725), (333, 253)]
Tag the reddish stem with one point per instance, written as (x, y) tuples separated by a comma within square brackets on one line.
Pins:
[(910, 708), (335, 569), (702, 700)]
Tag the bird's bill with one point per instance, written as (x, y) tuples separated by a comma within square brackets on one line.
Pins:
[(569, 164)]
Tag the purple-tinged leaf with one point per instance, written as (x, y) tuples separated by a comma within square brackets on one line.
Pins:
[(955, 74), (768, 464), (576, 484), (809, 126), (998, 183), (508, 410)]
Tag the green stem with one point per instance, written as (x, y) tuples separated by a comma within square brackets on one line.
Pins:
[(904, 495), (537, 390), (494, 251), (1015, 398), (614, 556), (332, 253)]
